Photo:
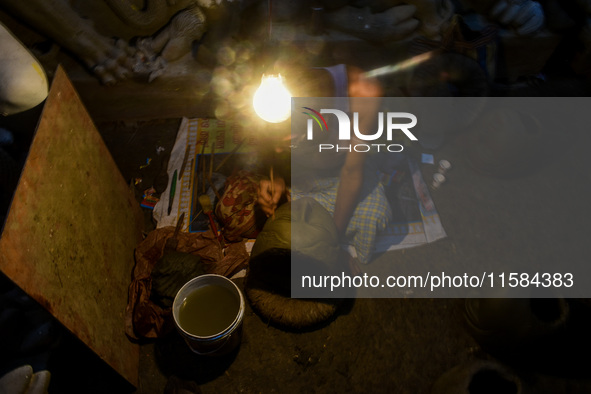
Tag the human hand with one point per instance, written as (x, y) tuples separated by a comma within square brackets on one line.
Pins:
[(526, 16), (269, 194), (362, 86), (350, 263)]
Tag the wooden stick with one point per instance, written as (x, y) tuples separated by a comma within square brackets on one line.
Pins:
[(196, 216), (191, 183), (198, 166), (217, 194), (230, 154), (272, 183), (203, 189), (211, 162), (272, 191), (210, 173)]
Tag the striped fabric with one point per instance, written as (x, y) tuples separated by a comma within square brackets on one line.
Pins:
[(370, 217)]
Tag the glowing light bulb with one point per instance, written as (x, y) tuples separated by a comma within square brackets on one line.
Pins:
[(272, 100)]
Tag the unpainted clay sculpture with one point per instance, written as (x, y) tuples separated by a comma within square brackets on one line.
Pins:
[(115, 59)]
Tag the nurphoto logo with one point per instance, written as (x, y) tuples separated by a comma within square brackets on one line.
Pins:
[(390, 119)]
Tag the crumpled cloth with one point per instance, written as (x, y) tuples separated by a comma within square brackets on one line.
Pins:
[(143, 318), (370, 217)]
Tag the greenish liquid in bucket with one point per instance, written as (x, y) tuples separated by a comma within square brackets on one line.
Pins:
[(208, 310)]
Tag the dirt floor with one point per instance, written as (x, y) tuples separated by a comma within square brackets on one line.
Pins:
[(372, 345), (401, 345), (404, 345)]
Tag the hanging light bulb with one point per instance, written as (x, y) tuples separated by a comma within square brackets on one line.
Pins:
[(272, 100)]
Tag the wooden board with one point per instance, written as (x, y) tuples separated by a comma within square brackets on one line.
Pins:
[(71, 231)]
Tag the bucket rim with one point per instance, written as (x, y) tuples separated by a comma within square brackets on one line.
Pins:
[(228, 330)]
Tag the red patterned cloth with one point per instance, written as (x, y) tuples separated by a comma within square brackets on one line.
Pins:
[(236, 210)]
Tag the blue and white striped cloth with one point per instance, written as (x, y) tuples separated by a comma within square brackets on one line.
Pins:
[(369, 218)]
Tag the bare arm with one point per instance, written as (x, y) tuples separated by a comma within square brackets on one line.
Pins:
[(348, 190), (351, 176)]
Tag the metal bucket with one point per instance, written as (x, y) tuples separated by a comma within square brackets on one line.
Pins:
[(219, 343)]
